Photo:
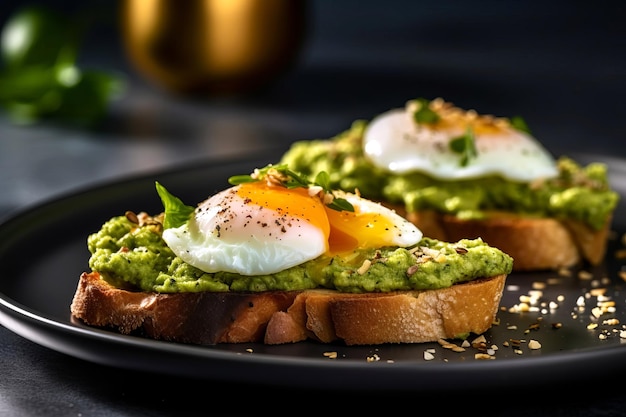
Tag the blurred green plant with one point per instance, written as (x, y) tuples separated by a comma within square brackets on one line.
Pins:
[(40, 78)]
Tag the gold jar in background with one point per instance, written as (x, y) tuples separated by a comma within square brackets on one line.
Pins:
[(205, 47)]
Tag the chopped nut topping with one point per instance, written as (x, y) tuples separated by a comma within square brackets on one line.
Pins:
[(373, 358), (132, 217), (564, 272), (596, 312), (596, 292), (539, 285), (483, 356), (143, 219), (534, 326), (452, 114), (412, 269), (364, 267)]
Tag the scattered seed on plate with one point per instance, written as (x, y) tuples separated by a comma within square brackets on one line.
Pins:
[(483, 356)]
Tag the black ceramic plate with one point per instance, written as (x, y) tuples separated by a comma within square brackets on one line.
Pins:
[(43, 251)]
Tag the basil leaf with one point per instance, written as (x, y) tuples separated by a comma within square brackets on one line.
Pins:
[(176, 212)]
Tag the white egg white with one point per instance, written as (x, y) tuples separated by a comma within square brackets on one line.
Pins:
[(395, 142), (227, 234)]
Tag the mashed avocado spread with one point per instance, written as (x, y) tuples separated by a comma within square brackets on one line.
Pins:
[(133, 255), (578, 193)]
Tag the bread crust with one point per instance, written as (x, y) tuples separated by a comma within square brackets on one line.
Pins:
[(279, 317), (205, 318), (534, 243)]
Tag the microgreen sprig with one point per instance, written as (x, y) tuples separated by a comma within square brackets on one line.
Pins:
[(424, 114), (282, 175), (519, 123), (465, 146)]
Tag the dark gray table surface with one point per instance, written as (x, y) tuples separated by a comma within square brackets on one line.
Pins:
[(561, 65)]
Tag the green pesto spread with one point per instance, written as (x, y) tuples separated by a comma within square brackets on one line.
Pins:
[(578, 193), (135, 257)]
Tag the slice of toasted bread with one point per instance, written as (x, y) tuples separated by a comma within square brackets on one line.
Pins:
[(277, 317), (397, 317), (205, 318)]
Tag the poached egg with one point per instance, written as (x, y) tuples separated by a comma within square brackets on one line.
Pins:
[(259, 228), (398, 142)]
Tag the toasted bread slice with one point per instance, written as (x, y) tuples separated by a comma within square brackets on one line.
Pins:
[(204, 318), (278, 317)]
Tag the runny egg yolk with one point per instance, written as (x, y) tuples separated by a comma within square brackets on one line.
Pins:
[(294, 202), (345, 231), (357, 230)]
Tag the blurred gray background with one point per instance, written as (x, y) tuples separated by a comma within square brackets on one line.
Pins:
[(559, 64)]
